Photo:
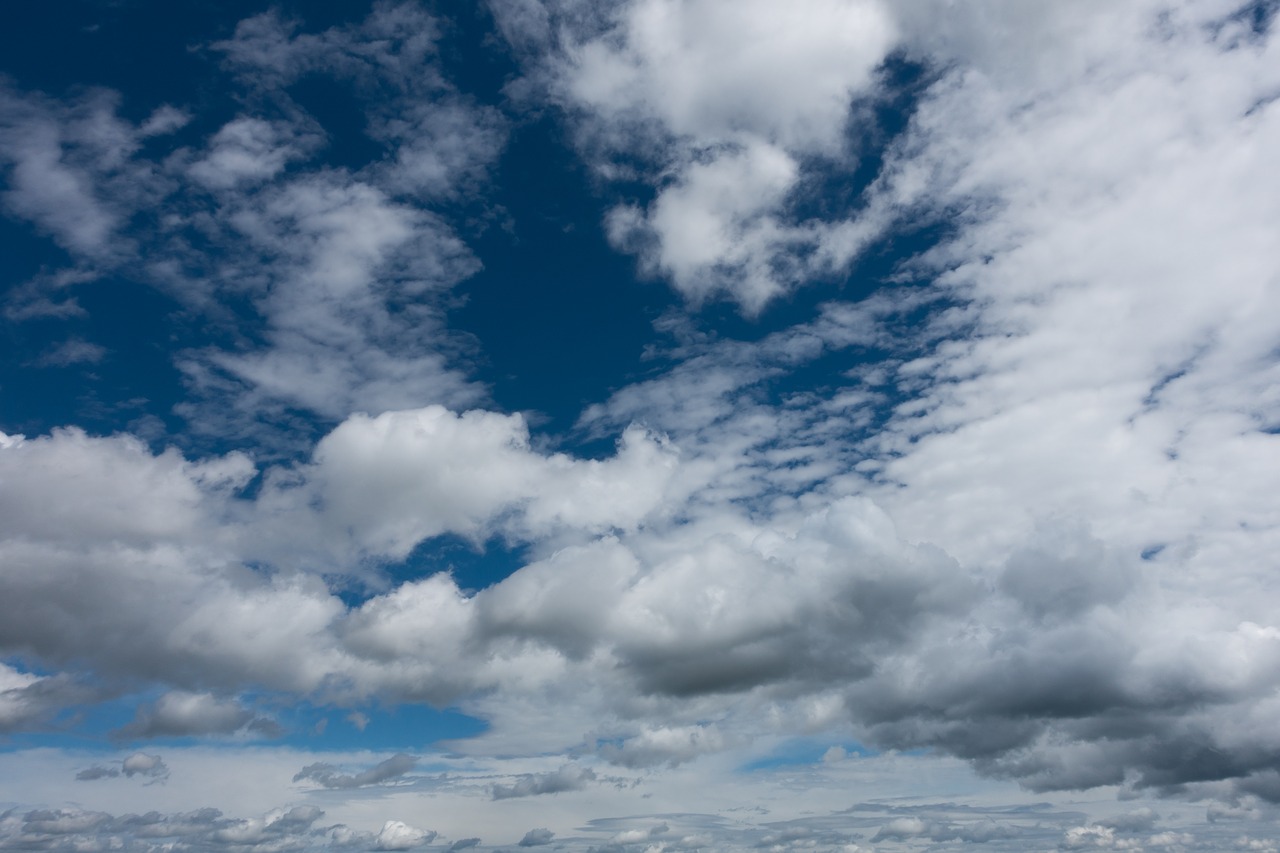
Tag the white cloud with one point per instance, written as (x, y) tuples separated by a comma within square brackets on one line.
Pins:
[(396, 835), (730, 96), (141, 764), (709, 71), (248, 150), (1038, 535)]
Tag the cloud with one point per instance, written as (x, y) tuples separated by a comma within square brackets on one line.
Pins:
[(183, 714), (91, 774), (53, 155), (345, 268), (135, 764), (567, 778), (328, 776), (396, 835), (463, 844), (537, 838), (249, 150), (27, 699), (73, 351), (141, 764), (724, 100), (1024, 518)]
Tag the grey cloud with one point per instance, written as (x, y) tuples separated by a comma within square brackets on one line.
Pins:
[(90, 774), (203, 829), (181, 714), (135, 764), (567, 778), (1001, 829), (142, 764), (329, 776), (537, 838), (1067, 574), (1141, 820)]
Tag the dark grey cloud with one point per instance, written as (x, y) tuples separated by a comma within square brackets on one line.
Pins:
[(463, 844), (329, 776)]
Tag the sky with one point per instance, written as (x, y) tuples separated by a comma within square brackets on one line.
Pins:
[(639, 426)]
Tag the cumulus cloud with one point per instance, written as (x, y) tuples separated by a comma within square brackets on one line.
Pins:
[(724, 100), (328, 776), (396, 835)]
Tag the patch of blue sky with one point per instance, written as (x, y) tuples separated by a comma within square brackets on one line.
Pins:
[(411, 727), (560, 320), (472, 565), (805, 751)]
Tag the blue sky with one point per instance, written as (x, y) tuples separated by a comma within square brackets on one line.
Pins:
[(646, 425)]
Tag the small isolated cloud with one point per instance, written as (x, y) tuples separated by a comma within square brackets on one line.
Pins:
[(74, 351), (141, 764), (359, 720), (329, 776), (463, 844), (567, 778), (396, 835), (537, 837)]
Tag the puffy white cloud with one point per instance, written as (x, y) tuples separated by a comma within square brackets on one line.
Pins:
[(724, 100), (710, 70), (396, 835)]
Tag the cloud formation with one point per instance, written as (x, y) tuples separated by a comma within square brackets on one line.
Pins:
[(977, 462), (328, 776)]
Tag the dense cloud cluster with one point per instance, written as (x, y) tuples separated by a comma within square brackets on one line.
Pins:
[(1024, 517)]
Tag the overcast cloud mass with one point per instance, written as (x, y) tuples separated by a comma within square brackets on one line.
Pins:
[(642, 425)]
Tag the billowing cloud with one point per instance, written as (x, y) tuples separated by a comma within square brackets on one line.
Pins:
[(396, 835)]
